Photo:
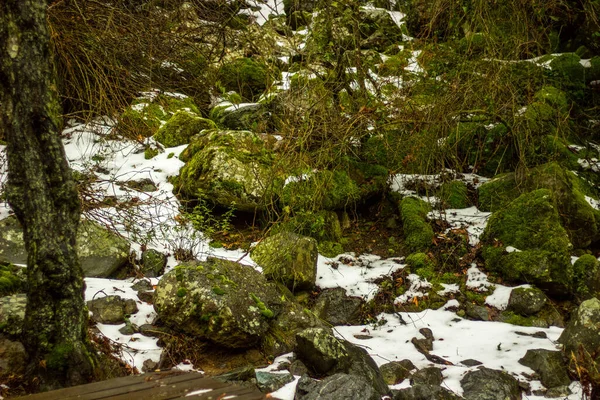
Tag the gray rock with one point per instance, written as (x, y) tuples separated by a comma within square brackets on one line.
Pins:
[(13, 357), (149, 366), (342, 386), (425, 392), (475, 312), (490, 384), (305, 385), (325, 354), (427, 376), (243, 117), (583, 328), (111, 309), (550, 365), (225, 302), (241, 374), (12, 314), (558, 391), (269, 381), (471, 363), (142, 285), (152, 330), (153, 263), (147, 296), (101, 251), (396, 371), (288, 258), (298, 368), (337, 308), (526, 301), (231, 168)]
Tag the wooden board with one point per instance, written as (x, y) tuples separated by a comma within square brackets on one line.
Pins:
[(154, 386)]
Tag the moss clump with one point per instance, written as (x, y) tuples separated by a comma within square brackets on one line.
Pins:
[(586, 274), (567, 69), (418, 234), (12, 279), (59, 357), (145, 116), (151, 152), (553, 97), (181, 292), (454, 194), (321, 225), (218, 291), (422, 265), (330, 249), (580, 220), (246, 76), (181, 127), (330, 190), (264, 310), (530, 224)]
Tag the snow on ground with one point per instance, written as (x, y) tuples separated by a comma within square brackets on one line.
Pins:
[(152, 222)]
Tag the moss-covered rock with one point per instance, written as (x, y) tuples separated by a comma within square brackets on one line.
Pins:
[(246, 76), (330, 190), (222, 301), (12, 314), (12, 279), (580, 338), (586, 277), (288, 258), (422, 265), (101, 251), (550, 365), (526, 301), (418, 234), (255, 117), (581, 221), (337, 308), (322, 225), (228, 168), (454, 194), (540, 245), (180, 128), (568, 69), (145, 116), (111, 309)]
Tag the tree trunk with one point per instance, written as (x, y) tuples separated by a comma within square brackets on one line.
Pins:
[(42, 193)]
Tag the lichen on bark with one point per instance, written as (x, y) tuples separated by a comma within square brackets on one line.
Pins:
[(43, 195)]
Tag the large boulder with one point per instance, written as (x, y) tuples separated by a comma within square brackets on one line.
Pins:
[(13, 357), (577, 216), (181, 127), (225, 302), (338, 386), (324, 354), (550, 365), (101, 251), (525, 242), (425, 392), (490, 384), (289, 259), (111, 309), (337, 308), (580, 339), (229, 168)]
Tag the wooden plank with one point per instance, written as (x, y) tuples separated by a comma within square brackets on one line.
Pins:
[(162, 389), (150, 379)]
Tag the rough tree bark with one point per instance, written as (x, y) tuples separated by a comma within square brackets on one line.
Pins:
[(42, 193)]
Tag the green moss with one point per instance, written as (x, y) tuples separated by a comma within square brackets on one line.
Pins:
[(264, 310), (585, 271), (12, 279), (475, 297), (151, 152), (330, 249), (567, 69), (59, 357), (181, 292), (323, 225), (531, 224), (245, 76), (422, 265), (330, 190), (218, 291), (510, 317), (181, 127), (418, 234), (454, 194), (554, 97)]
